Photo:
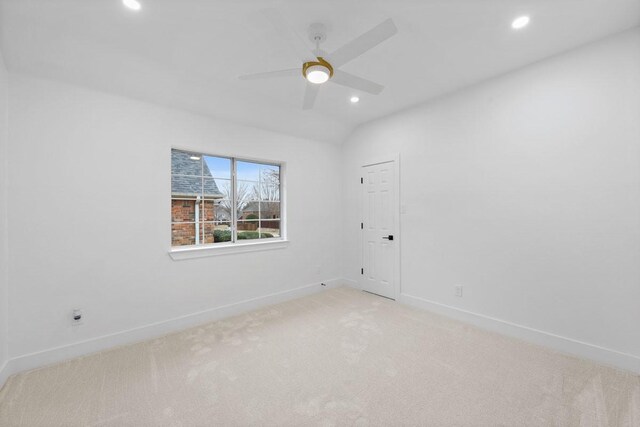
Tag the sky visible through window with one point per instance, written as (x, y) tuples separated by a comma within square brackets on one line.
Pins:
[(221, 169)]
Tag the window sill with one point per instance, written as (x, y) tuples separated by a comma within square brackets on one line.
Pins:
[(191, 252)]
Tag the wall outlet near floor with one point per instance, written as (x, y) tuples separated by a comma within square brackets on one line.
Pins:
[(76, 317), (458, 291)]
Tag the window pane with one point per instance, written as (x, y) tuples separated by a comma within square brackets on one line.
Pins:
[(269, 229), (222, 232), (211, 190), (217, 210), (249, 210), (207, 232), (248, 230), (270, 192), (183, 210), (270, 182), (185, 163), (247, 171), (269, 210), (183, 234), (224, 187), (215, 232), (248, 225), (217, 167), (247, 191), (186, 186)]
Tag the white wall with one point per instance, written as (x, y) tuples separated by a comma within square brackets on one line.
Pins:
[(526, 191), (4, 248), (90, 216)]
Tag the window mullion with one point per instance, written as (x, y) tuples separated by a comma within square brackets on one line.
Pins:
[(196, 208), (234, 200), (259, 203)]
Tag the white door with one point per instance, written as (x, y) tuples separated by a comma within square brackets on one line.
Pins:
[(379, 227)]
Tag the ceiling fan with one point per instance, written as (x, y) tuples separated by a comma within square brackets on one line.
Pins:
[(319, 67)]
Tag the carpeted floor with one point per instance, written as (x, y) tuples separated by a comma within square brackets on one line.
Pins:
[(340, 357)]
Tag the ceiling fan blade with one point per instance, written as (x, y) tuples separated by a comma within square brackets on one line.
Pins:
[(310, 93), (355, 82), (296, 43), (270, 74), (363, 43)]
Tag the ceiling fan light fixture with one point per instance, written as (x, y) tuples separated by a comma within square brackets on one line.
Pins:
[(317, 72)]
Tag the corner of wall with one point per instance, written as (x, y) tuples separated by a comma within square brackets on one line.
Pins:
[(4, 245)]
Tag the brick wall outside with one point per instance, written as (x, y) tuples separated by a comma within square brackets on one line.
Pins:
[(208, 213), (183, 210), (183, 234), (183, 229)]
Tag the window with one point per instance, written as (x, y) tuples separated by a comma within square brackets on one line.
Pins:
[(223, 200)]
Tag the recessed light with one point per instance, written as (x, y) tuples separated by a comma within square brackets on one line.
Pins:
[(354, 99), (132, 4), (194, 158), (520, 22)]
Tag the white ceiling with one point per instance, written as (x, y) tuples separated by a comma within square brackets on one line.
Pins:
[(188, 53)]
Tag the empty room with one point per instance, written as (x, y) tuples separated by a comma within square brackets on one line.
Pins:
[(336, 213)]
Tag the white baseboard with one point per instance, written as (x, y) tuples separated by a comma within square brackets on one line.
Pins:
[(559, 343), (58, 354)]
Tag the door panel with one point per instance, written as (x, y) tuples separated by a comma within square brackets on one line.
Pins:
[(379, 222)]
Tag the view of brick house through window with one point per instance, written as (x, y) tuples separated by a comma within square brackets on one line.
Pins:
[(210, 204)]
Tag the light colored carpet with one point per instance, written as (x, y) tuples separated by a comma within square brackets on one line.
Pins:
[(341, 357)]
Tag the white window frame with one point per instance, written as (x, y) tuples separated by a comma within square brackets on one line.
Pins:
[(234, 246)]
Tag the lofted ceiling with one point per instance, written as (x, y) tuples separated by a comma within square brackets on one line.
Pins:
[(188, 54)]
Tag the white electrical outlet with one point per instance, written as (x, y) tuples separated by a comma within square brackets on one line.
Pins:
[(458, 291)]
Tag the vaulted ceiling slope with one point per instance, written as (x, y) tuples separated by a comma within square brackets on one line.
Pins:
[(188, 54)]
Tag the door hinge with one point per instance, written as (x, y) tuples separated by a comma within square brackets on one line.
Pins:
[(361, 180), (362, 226), (362, 271)]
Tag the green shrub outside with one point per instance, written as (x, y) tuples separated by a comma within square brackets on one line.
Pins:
[(225, 235), (221, 235), (244, 235)]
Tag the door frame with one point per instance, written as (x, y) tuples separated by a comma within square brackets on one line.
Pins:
[(395, 158)]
